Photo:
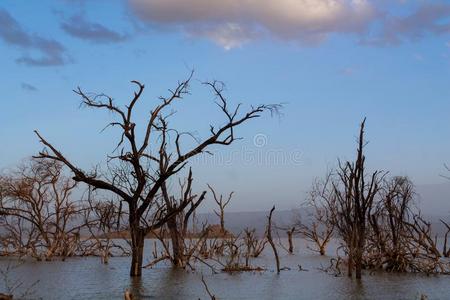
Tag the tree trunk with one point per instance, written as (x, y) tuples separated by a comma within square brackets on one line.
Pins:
[(322, 249), (351, 255), (222, 223), (358, 266), (137, 250), (291, 244), (350, 265), (359, 252), (177, 243), (270, 240)]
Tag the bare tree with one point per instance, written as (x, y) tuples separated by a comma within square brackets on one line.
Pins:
[(445, 250), (103, 220), (377, 222), (38, 213), (254, 245), (222, 205), (319, 227), (401, 240), (354, 193), (389, 224), (131, 173), (270, 239), (290, 234), (177, 226)]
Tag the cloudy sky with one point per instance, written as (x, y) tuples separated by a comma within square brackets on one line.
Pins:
[(331, 62)]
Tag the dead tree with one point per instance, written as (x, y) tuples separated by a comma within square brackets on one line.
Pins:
[(254, 246), (131, 173), (38, 212), (177, 226), (354, 193), (290, 234), (236, 259), (270, 239), (318, 228), (445, 250), (290, 231), (401, 240), (389, 240), (103, 219), (222, 205)]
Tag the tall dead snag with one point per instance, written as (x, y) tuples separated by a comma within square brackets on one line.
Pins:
[(318, 228), (131, 168), (38, 212), (222, 205), (445, 250), (270, 239), (354, 192)]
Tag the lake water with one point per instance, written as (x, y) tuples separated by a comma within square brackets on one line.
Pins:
[(87, 278)]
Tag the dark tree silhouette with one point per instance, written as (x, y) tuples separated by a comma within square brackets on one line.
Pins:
[(270, 239), (131, 169)]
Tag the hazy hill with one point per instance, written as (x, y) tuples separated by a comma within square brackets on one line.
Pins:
[(432, 199)]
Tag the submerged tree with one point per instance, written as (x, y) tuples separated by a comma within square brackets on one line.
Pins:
[(131, 169), (270, 239), (401, 240), (222, 205), (319, 227), (445, 250), (103, 219), (177, 225), (354, 192), (377, 221), (38, 212), (389, 223)]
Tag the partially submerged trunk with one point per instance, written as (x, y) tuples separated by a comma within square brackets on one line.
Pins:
[(137, 250), (322, 250), (177, 239), (290, 233), (270, 239), (359, 253)]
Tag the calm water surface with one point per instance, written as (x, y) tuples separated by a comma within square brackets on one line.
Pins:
[(87, 278)]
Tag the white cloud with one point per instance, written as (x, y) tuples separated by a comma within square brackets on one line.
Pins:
[(234, 22), (228, 35)]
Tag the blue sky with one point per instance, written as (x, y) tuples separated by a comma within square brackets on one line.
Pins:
[(331, 62)]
